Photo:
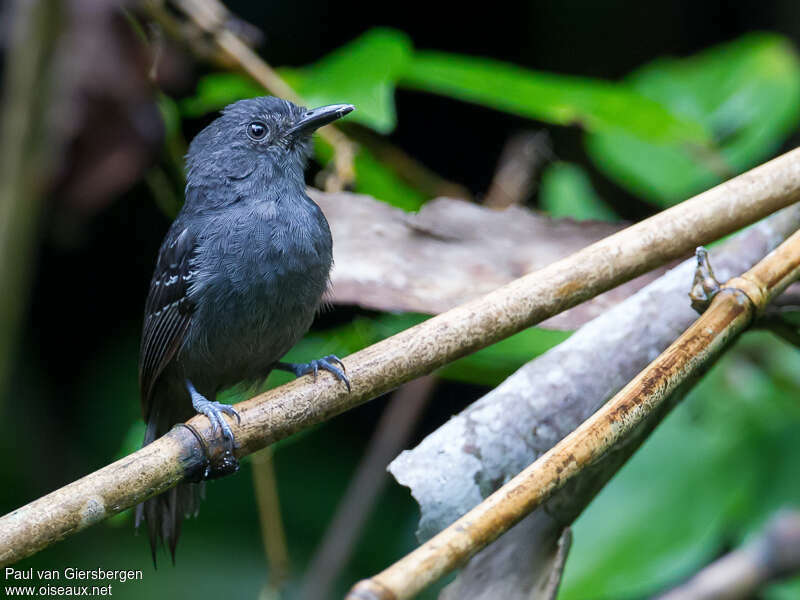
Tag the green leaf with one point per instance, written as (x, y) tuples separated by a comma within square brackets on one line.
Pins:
[(598, 106), (216, 90), (375, 179), (785, 590), (566, 191), (380, 182), (746, 93), (492, 365), (363, 73)]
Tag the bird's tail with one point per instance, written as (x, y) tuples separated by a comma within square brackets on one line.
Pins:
[(164, 513)]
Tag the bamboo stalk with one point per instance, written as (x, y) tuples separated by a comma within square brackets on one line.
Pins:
[(417, 351), (732, 309)]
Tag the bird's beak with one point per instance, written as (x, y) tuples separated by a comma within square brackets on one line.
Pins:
[(317, 117)]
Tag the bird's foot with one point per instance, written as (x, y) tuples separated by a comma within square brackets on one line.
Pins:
[(221, 459), (327, 363)]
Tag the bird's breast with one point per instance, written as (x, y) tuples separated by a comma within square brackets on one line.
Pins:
[(258, 288)]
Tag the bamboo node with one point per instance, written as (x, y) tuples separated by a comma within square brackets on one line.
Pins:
[(751, 287)]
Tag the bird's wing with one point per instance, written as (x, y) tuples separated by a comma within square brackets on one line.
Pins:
[(168, 310)]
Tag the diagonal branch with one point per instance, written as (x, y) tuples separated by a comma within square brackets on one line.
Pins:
[(731, 311), (417, 351)]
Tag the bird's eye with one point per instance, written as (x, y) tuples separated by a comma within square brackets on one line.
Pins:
[(256, 130)]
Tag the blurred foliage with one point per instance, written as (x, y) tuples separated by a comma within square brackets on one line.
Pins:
[(672, 128), (709, 476), (566, 191), (364, 71), (595, 105), (376, 179), (746, 93)]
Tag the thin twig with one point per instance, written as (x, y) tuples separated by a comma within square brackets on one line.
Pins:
[(772, 555), (269, 512), (733, 308), (213, 18), (523, 155), (396, 425), (407, 355)]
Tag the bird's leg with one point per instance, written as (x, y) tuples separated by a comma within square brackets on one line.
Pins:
[(221, 460), (326, 363), (213, 410)]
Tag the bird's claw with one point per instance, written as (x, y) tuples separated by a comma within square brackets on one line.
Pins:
[(219, 453), (327, 363), (214, 411), (230, 411)]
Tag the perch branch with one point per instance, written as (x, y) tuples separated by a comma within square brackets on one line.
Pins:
[(732, 309), (416, 351)]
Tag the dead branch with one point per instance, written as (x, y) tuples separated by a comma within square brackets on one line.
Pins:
[(732, 309), (409, 354), (496, 437)]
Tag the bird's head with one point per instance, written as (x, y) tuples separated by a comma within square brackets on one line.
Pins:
[(257, 142)]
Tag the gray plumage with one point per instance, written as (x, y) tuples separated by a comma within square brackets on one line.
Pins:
[(238, 280)]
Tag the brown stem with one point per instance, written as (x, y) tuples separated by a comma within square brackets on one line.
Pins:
[(406, 167), (269, 512), (30, 138), (523, 155)]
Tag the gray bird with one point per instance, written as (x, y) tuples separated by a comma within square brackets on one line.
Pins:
[(238, 280)]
